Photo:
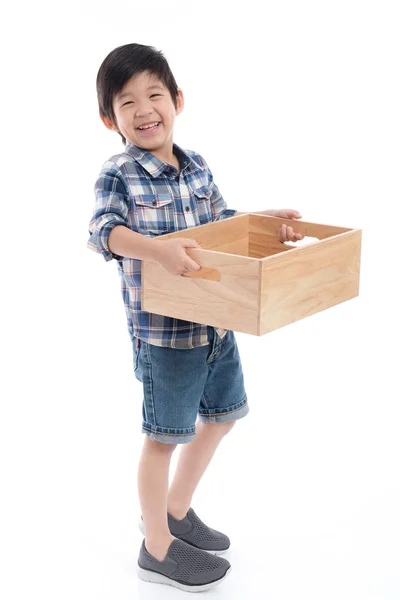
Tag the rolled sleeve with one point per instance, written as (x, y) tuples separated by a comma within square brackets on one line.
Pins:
[(111, 209), (225, 214)]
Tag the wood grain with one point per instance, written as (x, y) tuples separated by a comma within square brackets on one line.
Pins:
[(249, 280), (264, 233), (309, 279), (231, 303), (229, 235)]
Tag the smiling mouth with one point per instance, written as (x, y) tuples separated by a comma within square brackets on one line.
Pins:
[(150, 126)]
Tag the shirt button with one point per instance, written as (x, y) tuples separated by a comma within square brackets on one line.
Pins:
[(154, 203), (187, 209)]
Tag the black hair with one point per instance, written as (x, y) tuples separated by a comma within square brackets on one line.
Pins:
[(120, 65)]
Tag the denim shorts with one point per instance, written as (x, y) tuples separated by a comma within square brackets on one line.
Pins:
[(181, 384)]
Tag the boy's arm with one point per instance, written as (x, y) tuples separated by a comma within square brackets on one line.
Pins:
[(111, 209), (110, 233), (130, 244)]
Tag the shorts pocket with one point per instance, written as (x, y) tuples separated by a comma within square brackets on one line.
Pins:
[(136, 351)]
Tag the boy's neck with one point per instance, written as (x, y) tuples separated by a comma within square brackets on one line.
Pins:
[(172, 159)]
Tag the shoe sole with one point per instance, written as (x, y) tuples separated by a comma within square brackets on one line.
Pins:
[(216, 552), (153, 577)]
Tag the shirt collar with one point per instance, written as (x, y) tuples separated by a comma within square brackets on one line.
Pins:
[(155, 166)]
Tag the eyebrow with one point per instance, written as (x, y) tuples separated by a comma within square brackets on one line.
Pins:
[(151, 87)]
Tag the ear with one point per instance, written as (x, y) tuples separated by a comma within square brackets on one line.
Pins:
[(108, 123), (180, 102)]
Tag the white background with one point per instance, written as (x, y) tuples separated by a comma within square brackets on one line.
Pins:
[(293, 105)]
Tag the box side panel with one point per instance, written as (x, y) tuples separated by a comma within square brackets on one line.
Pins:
[(307, 280), (261, 245), (229, 235), (264, 230), (231, 303)]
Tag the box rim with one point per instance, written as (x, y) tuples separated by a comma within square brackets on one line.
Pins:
[(325, 241)]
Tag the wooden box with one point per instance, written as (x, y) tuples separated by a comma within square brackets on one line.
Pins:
[(250, 281)]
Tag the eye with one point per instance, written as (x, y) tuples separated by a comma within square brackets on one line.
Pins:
[(129, 102), (155, 95)]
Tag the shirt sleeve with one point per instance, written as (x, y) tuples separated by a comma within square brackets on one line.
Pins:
[(111, 209), (219, 207)]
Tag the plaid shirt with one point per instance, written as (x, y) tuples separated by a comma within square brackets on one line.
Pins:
[(149, 196)]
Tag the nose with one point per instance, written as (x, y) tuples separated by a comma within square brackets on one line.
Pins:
[(144, 109)]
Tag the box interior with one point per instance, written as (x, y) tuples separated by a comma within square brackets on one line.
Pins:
[(254, 235), (257, 236)]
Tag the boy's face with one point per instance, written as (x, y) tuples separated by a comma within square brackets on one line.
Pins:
[(145, 114)]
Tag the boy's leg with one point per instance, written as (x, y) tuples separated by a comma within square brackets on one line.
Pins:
[(162, 558), (173, 381), (223, 402), (172, 385), (193, 461), (153, 489)]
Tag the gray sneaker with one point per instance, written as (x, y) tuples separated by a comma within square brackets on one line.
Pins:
[(184, 567), (193, 531)]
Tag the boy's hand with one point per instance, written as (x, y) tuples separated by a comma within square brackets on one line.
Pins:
[(172, 256), (286, 233)]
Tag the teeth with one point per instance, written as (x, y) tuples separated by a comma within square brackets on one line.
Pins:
[(149, 126)]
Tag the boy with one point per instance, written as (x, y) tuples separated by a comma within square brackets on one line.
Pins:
[(187, 369)]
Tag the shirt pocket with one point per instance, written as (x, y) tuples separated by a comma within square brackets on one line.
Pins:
[(154, 213), (203, 204)]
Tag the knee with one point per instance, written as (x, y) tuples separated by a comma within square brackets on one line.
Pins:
[(222, 428), (159, 447), (227, 426)]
